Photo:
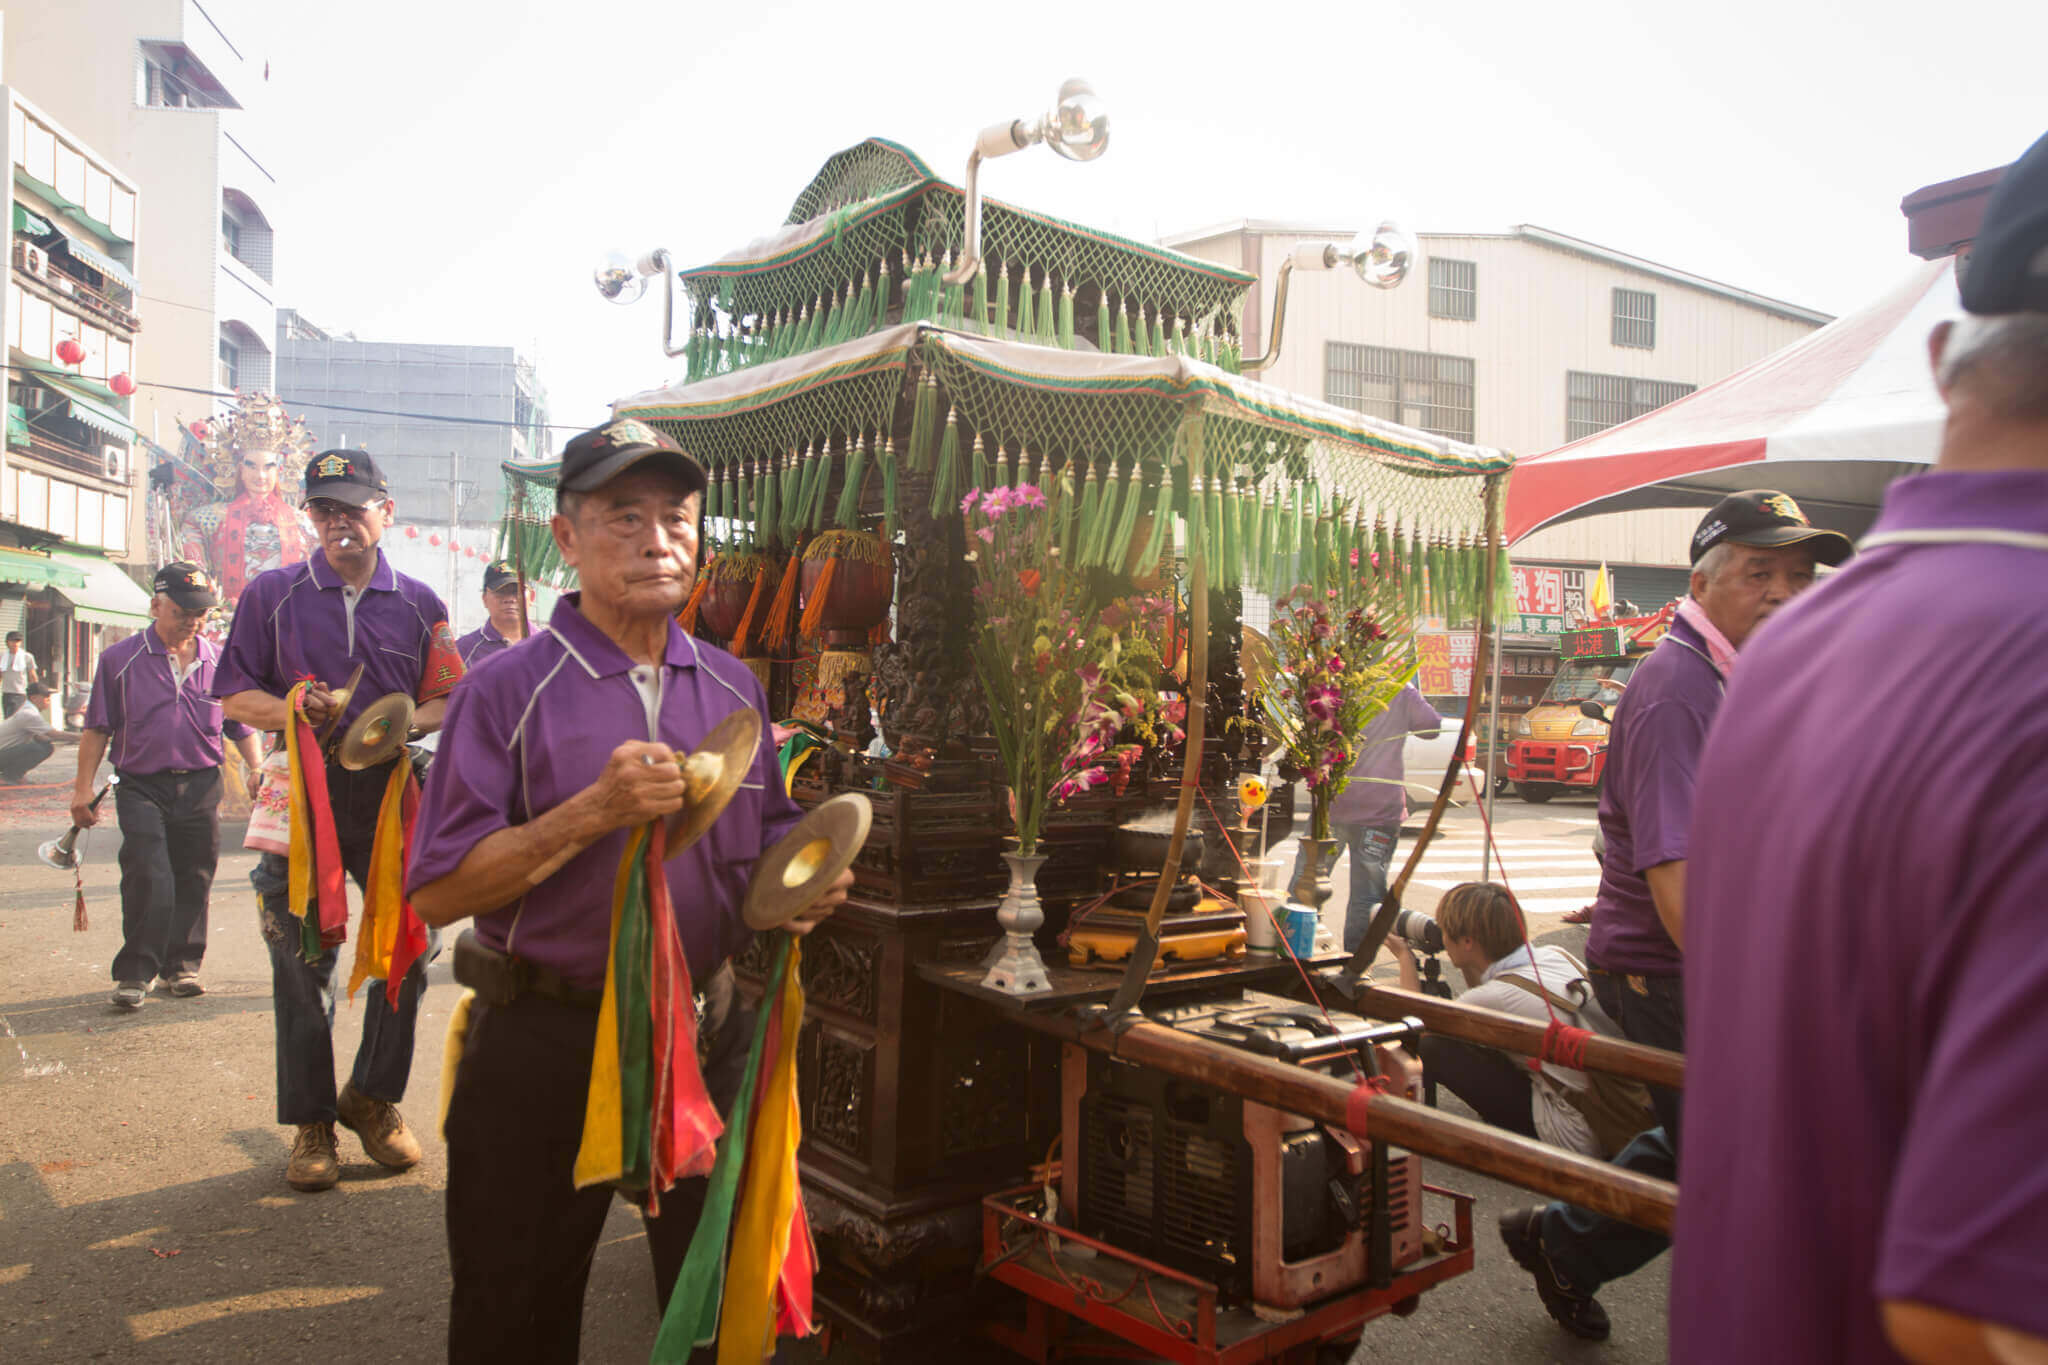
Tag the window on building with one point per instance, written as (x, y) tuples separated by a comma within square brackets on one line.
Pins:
[(1635, 318), (1453, 289), (170, 75), (230, 363), (1415, 388), (245, 232), (1595, 402)]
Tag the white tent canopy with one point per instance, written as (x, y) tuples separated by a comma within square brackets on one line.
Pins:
[(1830, 419)]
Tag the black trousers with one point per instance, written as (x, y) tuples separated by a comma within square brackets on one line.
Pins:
[(1650, 1010), (521, 1237), (170, 845), (1499, 1088)]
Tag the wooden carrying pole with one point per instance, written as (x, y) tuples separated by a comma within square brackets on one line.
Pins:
[(1492, 1028), (1295, 1089)]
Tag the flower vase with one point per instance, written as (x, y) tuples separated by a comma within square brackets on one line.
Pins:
[(1311, 891), (1016, 968)]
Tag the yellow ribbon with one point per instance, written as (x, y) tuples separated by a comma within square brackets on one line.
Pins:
[(384, 898), (761, 1230), (601, 1157), (301, 856)]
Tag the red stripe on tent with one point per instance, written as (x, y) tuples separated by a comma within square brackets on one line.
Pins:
[(1726, 423), (1567, 484)]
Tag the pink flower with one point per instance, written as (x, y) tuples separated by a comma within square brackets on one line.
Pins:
[(987, 534), (967, 503), (1320, 701), (1336, 665), (1174, 710), (1029, 496)]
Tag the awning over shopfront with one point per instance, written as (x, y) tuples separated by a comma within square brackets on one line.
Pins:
[(86, 253), (32, 569), (105, 596), (90, 410)]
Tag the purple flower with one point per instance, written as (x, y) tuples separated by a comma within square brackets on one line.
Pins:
[(1320, 701)]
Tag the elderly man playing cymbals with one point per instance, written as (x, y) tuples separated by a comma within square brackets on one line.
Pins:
[(569, 744)]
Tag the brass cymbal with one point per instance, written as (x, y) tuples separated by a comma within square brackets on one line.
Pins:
[(712, 773), (341, 700), (378, 735), (794, 873)]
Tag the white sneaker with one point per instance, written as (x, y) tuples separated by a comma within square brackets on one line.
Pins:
[(129, 995)]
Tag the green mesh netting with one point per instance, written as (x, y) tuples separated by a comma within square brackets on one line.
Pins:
[(1147, 459), (880, 233), (863, 171)]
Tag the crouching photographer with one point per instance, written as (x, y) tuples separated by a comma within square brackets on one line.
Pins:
[(1479, 928)]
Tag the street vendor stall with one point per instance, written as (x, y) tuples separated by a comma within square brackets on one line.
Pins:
[(985, 488)]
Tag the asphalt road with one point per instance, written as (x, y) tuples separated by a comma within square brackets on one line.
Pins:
[(144, 1214)]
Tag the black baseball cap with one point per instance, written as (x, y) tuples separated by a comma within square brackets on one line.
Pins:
[(349, 476), (1768, 519), (596, 457), (500, 575), (2008, 266), (186, 584)]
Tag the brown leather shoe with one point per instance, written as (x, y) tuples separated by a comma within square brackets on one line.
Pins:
[(313, 1166), (381, 1127)]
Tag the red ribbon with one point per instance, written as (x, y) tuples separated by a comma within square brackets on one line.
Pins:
[(330, 892)]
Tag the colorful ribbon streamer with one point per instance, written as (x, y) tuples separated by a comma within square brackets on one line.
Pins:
[(648, 1120), (315, 857), (762, 1289)]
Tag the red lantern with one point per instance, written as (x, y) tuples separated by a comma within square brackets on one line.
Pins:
[(434, 539), (198, 430), (69, 351), (122, 384), (412, 533)]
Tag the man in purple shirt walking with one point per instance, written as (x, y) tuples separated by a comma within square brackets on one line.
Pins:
[(1867, 1119), (152, 705), (1750, 554), (504, 624), (571, 740), (1366, 816), (342, 607)]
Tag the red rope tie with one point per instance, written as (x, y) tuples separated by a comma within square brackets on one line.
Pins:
[(1360, 1103), (1563, 1045)]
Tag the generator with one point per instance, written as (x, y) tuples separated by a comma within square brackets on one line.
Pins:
[(1273, 1208)]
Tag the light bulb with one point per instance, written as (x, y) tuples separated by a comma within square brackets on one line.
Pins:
[(617, 279), (1077, 128), (1382, 256)]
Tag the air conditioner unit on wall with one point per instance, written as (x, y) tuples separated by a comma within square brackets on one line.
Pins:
[(32, 259), (116, 461)]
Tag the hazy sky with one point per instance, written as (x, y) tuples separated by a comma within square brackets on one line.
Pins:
[(449, 170)]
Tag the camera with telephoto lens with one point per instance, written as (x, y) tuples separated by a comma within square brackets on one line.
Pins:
[(1420, 930)]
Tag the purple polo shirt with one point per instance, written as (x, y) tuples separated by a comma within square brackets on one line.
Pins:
[(302, 619), (1376, 795), (158, 723), (535, 725), (1866, 1110), (480, 644), (1646, 799)]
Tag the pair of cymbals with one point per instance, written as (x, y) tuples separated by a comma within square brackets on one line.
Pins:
[(806, 861), (378, 735), (712, 773)]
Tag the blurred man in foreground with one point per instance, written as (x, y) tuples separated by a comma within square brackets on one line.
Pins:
[(1867, 1097)]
